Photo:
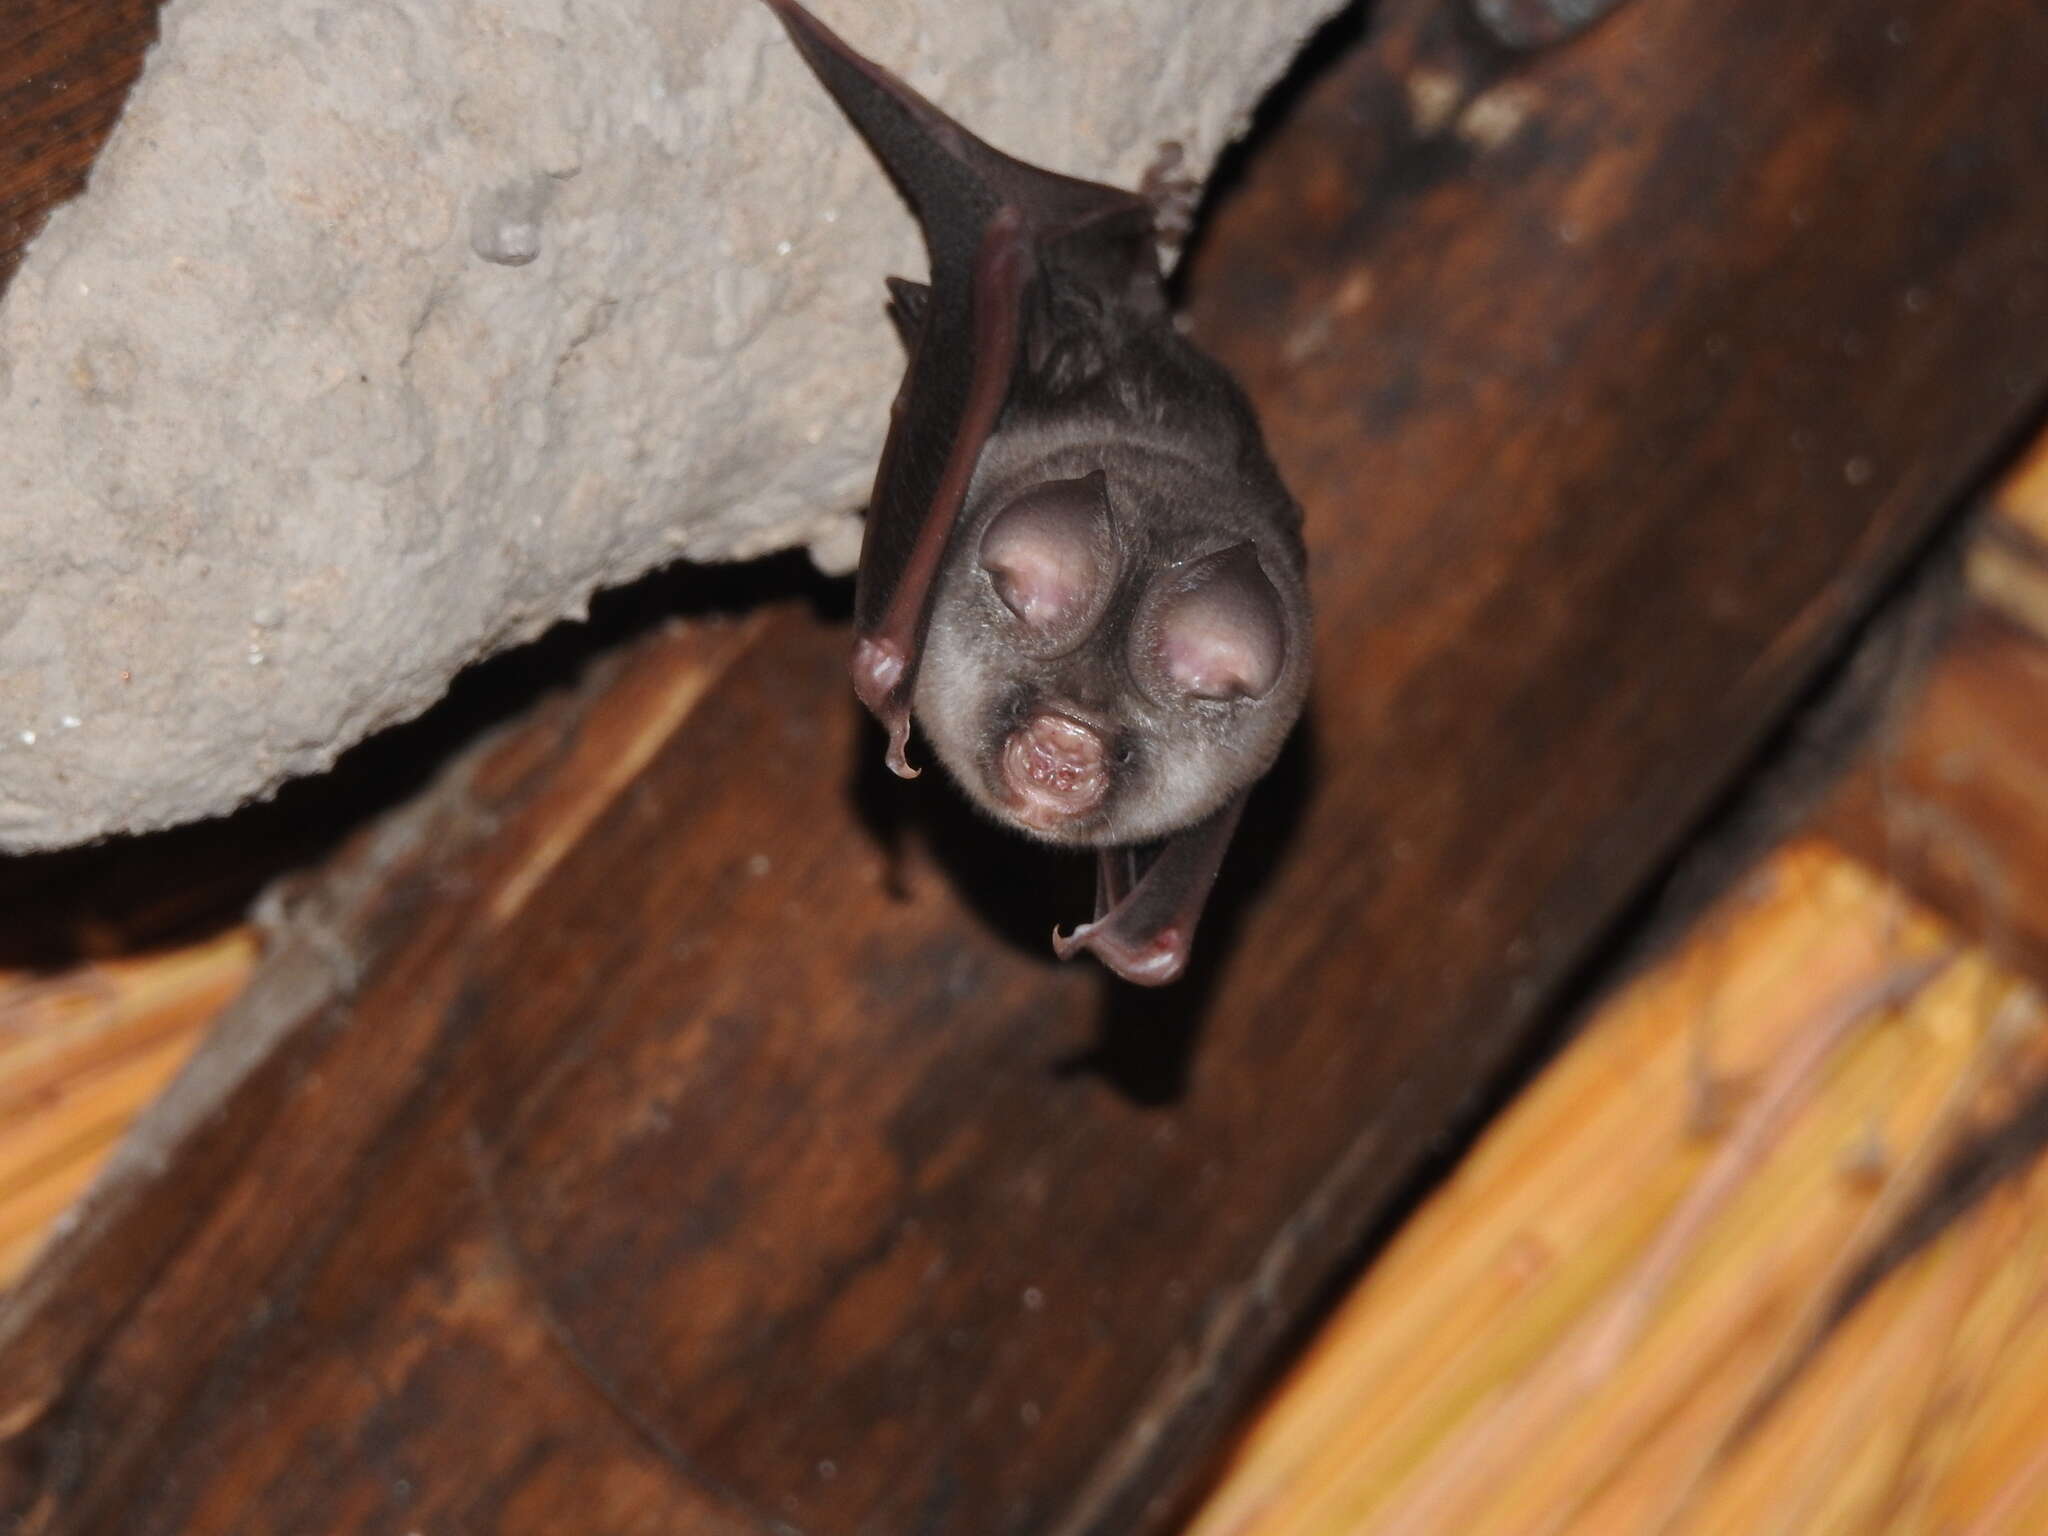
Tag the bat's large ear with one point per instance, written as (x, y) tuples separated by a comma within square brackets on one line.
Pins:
[(1052, 557), (1144, 928), (1217, 631)]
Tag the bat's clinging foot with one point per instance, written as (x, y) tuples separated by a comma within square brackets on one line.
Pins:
[(1159, 960), (1173, 194)]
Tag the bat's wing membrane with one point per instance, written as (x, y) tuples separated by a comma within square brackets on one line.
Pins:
[(1145, 919), (990, 224)]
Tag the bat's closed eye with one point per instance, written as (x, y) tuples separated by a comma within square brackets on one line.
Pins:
[(1050, 557)]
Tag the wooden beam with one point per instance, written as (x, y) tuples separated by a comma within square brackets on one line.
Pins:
[(1568, 1335)]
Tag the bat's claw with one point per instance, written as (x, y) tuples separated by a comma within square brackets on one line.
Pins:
[(899, 738), (1173, 194)]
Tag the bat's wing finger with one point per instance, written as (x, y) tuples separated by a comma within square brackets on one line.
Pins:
[(938, 425)]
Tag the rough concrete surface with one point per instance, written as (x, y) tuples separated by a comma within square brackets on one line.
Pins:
[(388, 330)]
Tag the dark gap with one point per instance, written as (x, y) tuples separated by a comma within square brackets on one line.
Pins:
[(139, 891)]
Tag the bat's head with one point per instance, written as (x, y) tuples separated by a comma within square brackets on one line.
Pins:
[(1107, 664)]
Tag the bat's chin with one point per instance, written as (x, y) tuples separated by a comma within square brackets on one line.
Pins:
[(1052, 776)]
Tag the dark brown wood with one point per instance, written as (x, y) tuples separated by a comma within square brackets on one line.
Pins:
[(623, 1138), (1957, 809), (65, 70)]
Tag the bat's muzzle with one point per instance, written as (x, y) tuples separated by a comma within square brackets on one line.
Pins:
[(1055, 770)]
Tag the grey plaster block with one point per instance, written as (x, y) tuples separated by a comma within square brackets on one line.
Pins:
[(388, 330)]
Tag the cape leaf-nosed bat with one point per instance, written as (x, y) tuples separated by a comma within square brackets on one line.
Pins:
[(1080, 570)]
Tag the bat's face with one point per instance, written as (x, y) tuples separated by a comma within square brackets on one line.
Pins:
[(1097, 673)]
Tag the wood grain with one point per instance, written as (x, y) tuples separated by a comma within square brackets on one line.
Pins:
[(668, 1123), (1536, 1354), (65, 70), (81, 1053)]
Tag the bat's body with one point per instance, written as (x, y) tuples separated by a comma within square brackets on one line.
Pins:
[(1081, 572)]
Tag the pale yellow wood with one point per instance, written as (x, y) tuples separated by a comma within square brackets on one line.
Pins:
[(81, 1054), (1515, 1365), (2022, 496), (2008, 560), (2012, 579)]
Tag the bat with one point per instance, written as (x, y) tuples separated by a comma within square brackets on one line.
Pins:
[(1080, 571)]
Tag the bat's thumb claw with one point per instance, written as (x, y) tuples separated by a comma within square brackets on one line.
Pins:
[(1068, 945), (879, 672), (899, 764)]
